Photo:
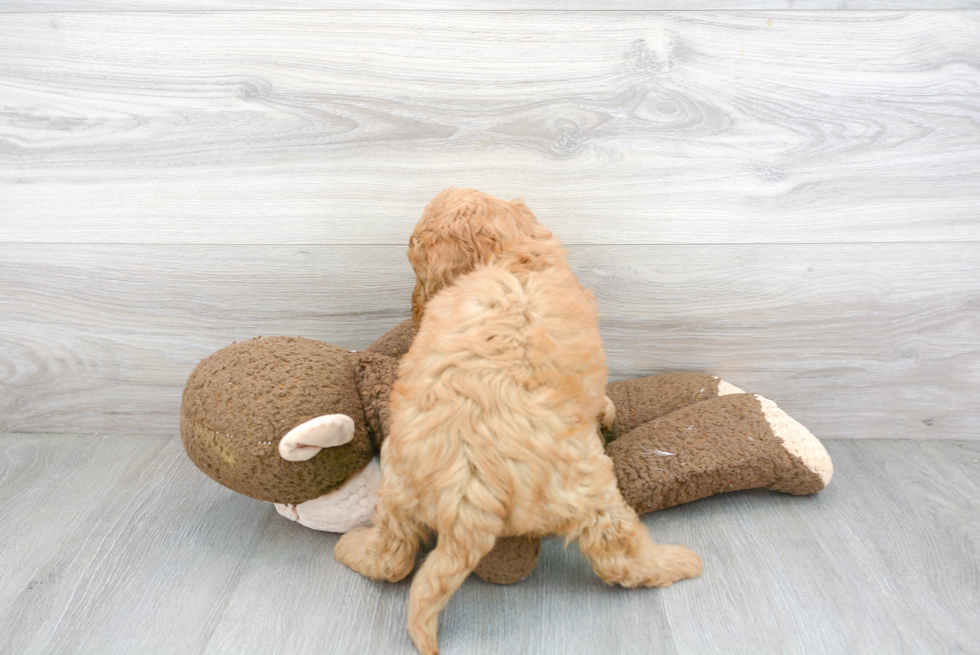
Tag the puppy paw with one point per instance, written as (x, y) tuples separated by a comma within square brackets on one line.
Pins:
[(366, 551), (673, 563), (661, 566), (350, 551)]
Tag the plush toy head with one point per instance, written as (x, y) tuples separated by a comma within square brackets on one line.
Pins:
[(242, 401), (232, 429)]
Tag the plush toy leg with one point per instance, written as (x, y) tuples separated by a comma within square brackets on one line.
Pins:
[(387, 550), (642, 400), (731, 442), (511, 560), (396, 341)]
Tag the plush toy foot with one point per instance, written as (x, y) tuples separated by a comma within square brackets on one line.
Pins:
[(341, 510), (642, 400), (511, 560), (731, 442), (803, 447), (727, 388)]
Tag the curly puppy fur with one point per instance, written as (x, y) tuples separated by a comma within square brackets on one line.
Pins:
[(494, 434), (459, 230)]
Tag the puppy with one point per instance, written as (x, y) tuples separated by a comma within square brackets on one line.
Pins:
[(460, 229), (494, 433)]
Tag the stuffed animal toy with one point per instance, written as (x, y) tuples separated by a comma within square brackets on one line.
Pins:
[(299, 423)]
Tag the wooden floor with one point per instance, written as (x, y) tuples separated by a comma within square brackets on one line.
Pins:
[(119, 545)]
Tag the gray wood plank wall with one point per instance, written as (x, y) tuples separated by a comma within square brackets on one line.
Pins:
[(789, 199), (38, 6)]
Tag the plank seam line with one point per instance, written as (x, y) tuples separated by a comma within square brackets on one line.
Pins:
[(733, 10), (564, 243)]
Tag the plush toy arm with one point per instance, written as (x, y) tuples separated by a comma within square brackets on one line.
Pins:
[(642, 400), (731, 442), (375, 376), (396, 341)]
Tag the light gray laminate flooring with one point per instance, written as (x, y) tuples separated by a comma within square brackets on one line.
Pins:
[(114, 544)]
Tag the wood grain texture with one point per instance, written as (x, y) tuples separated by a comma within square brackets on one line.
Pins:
[(631, 127), (474, 5), (886, 560), (894, 537), (111, 545), (861, 340), (117, 329), (35, 518)]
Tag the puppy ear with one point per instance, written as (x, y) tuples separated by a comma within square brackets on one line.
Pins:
[(463, 242), (459, 230), (527, 222)]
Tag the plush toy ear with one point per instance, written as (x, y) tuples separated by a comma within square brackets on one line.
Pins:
[(307, 439)]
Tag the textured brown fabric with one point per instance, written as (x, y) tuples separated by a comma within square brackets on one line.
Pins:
[(511, 560), (375, 376), (797, 479), (641, 400), (722, 444), (240, 401), (396, 341)]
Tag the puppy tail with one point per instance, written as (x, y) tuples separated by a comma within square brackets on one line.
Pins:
[(443, 571)]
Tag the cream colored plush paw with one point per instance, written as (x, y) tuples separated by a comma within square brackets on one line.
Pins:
[(727, 388), (798, 440)]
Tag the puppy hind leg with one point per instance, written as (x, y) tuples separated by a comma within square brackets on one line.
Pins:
[(386, 550), (440, 575), (621, 551)]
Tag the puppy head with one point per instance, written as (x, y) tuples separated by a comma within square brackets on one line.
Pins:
[(460, 229)]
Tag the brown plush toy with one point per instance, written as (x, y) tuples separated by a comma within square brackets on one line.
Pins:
[(299, 423)]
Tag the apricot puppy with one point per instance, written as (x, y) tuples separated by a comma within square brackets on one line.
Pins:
[(494, 434), (459, 230)]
